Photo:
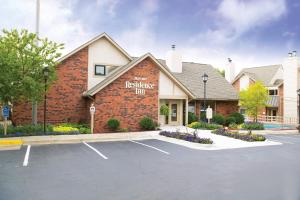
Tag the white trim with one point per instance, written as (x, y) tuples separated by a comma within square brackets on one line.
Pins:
[(92, 41), (148, 55)]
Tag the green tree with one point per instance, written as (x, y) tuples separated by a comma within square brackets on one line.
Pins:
[(221, 72), (23, 56), (254, 99)]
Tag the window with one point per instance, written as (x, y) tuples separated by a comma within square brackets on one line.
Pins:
[(273, 92), (100, 70)]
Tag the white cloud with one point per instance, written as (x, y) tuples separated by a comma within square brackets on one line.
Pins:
[(233, 18), (242, 16), (58, 22), (108, 5), (142, 38)]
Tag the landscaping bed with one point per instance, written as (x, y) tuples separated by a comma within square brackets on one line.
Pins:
[(38, 130), (187, 137), (241, 136)]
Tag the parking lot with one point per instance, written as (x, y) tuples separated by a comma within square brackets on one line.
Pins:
[(151, 169)]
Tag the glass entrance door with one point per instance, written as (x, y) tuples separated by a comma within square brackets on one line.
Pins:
[(174, 112)]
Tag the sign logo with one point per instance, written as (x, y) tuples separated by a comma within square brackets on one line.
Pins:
[(5, 111), (139, 85)]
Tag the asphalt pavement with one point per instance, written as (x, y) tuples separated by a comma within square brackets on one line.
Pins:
[(151, 169)]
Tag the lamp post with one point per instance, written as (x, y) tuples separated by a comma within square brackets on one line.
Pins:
[(46, 75), (204, 79)]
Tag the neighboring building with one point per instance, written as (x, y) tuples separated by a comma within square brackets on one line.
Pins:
[(128, 88), (282, 82)]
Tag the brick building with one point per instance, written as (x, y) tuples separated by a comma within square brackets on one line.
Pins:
[(269, 76), (128, 88)]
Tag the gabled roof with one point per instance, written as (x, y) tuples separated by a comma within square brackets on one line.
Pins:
[(102, 35), (265, 74), (217, 87), (121, 70)]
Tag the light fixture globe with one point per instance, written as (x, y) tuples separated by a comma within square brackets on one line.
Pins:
[(46, 71), (205, 77)]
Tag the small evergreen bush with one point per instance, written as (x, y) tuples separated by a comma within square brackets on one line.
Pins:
[(239, 118), (147, 123), (192, 117), (218, 119), (113, 124), (229, 120)]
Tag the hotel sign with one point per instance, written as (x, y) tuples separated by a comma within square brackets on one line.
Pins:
[(140, 85)]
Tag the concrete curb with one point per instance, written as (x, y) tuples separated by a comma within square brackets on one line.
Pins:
[(66, 139), (273, 132), (10, 144)]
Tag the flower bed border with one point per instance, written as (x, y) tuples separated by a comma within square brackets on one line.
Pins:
[(240, 136), (186, 137)]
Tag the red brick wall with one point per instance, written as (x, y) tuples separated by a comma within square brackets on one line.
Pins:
[(221, 107), (226, 107), (64, 99), (280, 93), (123, 104), (236, 85)]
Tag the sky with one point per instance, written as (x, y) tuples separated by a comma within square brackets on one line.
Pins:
[(250, 32)]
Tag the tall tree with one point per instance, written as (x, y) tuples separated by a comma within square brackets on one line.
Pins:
[(23, 56), (221, 72), (253, 99)]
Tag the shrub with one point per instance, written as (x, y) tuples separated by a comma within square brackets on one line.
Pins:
[(229, 120), (239, 118), (84, 130), (253, 126), (203, 125), (203, 116), (241, 136), (65, 129), (113, 124), (192, 117), (164, 110), (233, 126), (186, 137), (218, 119), (147, 123), (124, 129)]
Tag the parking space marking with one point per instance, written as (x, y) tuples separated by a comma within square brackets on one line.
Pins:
[(26, 158), (152, 147), (94, 149)]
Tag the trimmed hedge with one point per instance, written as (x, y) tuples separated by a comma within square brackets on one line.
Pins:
[(253, 126), (31, 130), (186, 137), (241, 136), (203, 125)]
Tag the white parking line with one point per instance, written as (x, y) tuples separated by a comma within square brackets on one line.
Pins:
[(98, 152), (26, 158), (146, 145)]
